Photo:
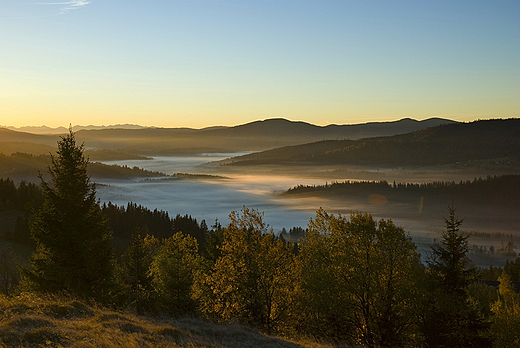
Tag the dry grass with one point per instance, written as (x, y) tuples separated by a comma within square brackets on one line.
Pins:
[(53, 321)]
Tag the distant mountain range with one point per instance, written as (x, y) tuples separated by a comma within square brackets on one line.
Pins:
[(254, 136), (62, 130), (444, 144)]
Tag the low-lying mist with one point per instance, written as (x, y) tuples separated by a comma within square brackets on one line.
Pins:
[(261, 187)]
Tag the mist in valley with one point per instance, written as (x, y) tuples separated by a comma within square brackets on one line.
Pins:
[(226, 188)]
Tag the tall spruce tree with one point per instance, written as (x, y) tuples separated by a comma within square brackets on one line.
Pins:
[(73, 251), (450, 319)]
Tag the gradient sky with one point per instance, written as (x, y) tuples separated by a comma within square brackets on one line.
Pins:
[(199, 63)]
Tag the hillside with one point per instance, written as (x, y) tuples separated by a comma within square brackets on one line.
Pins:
[(26, 166), (254, 136), (31, 321), (444, 144)]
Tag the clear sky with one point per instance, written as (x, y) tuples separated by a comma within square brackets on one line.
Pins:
[(181, 63)]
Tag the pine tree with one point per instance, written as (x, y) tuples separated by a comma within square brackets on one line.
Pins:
[(449, 257), (450, 320), (73, 250)]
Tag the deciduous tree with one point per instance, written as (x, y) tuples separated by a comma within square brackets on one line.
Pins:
[(367, 269), (252, 280), (506, 322)]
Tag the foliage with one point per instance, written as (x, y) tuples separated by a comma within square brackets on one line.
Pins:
[(366, 270), (252, 281), (506, 322), (158, 223), (21, 233), (213, 243), (133, 272), (172, 271), (491, 190), (189, 226), (73, 243), (123, 220), (512, 269), (448, 258)]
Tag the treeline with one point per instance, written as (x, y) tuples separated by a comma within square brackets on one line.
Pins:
[(501, 190), (26, 165), (24, 196), (122, 220)]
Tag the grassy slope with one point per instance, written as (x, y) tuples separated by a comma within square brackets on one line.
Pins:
[(31, 321)]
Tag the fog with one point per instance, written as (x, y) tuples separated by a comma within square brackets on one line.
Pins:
[(212, 198), (208, 199)]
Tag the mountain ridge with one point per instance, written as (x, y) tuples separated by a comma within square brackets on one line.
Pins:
[(443, 144), (253, 136)]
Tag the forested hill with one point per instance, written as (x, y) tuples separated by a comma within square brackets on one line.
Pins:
[(25, 166), (444, 144), (254, 136)]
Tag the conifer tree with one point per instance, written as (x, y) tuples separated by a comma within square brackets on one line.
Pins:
[(73, 250), (450, 320), (449, 257)]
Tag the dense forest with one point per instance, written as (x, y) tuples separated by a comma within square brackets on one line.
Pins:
[(349, 280), (492, 191)]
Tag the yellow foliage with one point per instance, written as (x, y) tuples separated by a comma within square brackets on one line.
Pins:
[(505, 328)]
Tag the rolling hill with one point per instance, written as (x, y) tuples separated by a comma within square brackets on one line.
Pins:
[(444, 144), (254, 136)]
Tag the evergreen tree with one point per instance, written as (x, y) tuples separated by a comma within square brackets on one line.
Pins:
[(450, 319), (73, 250), (448, 260), (133, 274), (172, 271)]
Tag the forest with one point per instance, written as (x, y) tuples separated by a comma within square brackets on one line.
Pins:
[(347, 280), (493, 190)]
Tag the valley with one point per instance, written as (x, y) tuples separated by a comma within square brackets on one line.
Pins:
[(209, 185)]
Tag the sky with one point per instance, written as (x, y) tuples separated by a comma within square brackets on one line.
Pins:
[(199, 63)]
